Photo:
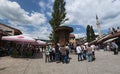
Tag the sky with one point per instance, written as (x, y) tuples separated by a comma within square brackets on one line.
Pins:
[(32, 16)]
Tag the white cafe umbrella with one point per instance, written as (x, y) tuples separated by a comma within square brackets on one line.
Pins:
[(18, 38), (39, 42)]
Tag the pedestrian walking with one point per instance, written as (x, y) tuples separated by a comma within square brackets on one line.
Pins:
[(57, 53), (93, 51), (79, 52), (63, 53), (89, 53), (84, 51), (67, 53), (115, 48), (50, 53), (47, 54)]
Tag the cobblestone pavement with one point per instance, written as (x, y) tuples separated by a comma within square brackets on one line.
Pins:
[(105, 63)]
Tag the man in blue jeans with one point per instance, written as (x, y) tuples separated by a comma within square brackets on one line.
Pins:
[(66, 59), (115, 48), (79, 52), (84, 51), (57, 53), (89, 52)]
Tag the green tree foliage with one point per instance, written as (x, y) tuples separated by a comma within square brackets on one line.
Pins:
[(90, 33), (53, 37), (58, 18)]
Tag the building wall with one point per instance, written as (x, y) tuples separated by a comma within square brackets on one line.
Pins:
[(7, 29), (72, 40)]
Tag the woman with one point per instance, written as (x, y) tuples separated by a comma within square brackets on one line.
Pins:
[(47, 54)]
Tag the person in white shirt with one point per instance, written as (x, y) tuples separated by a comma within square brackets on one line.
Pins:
[(93, 51), (108, 47), (79, 52)]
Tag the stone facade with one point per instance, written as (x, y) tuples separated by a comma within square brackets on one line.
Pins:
[(63, 33)]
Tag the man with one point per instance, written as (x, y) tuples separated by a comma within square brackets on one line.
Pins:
[(89, 52), (93, 51), (51, 53), (63, 53), (79, 52), (115, 48), (57, 53), (84, 47), (67, 53)]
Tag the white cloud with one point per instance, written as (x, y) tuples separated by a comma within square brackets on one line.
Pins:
[(79, 12), (12, 11), (38, 31), (16, 15), (41, 3), (42, 33), (78, 29), (37, 18), (46, 6), (79, 35), (83, 12)]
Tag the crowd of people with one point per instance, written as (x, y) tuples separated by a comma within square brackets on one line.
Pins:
[(19, 50), (57, 53), (112, 46), (85, 52), (60, 53)]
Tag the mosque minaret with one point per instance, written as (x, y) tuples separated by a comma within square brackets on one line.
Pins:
[(98, 26)]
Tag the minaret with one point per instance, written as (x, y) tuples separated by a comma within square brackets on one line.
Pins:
[(98, 26)]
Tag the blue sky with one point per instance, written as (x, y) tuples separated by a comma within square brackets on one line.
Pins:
[(32, 16)]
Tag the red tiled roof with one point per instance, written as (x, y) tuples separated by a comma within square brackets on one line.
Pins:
[(72, 35)]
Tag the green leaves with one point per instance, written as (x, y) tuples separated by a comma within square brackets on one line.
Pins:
[(90, 33), (58, 18)]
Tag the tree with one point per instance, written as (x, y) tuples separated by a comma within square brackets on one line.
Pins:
[(90, 33), (58, 18)]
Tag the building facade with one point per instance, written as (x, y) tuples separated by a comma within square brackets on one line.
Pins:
[(9, 30)]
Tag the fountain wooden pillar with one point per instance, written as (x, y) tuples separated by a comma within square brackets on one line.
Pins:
[(63, 34)]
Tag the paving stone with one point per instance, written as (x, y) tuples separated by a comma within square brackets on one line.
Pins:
[(105, 63)]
